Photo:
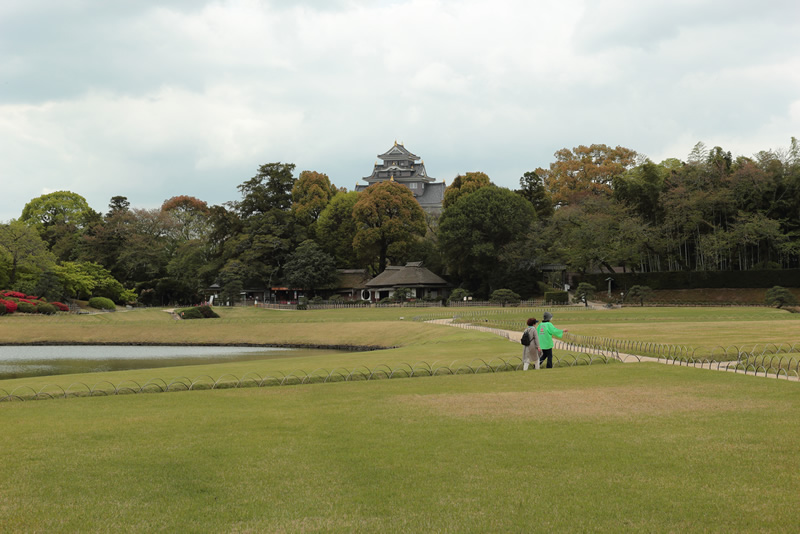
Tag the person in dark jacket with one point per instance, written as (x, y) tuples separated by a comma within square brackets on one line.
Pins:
[(532, 351)]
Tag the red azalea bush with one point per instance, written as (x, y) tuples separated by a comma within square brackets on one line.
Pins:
[(10, 305), (15, 294), (60, 306)]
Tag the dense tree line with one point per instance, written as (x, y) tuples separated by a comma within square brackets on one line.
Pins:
[(594, 208)]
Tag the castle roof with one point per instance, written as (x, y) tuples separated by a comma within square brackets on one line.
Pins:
[(433, 195), (398, 152), (403, 167)]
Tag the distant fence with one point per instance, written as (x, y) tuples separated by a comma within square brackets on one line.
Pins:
[(486, 303), (315, 305), (766, 359), (693, 304)]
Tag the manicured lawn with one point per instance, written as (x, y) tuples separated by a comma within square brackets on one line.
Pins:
[(604, 448), (613, 448)]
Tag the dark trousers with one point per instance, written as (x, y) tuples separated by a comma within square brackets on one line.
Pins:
[(547, 353)]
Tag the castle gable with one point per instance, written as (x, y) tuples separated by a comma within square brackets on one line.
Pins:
[(400, 165)]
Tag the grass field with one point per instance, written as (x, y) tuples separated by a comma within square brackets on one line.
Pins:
[(614, 448), (705, 329)]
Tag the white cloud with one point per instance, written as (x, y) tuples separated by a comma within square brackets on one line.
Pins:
[(152, 99)]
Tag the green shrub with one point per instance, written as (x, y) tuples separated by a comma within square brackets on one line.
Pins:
[(556, 297), (102, 303), (197, 312), (640, 293), (584, 293), (208, 312), (780, 296), (503, 297), (2, 309), (459, 293), (46, 309), (190, 313), (401, 293), (26, 307)]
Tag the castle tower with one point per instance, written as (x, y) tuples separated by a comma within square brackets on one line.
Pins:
[(408, 169)]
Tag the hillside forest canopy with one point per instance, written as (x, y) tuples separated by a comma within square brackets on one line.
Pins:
[(595, 209)]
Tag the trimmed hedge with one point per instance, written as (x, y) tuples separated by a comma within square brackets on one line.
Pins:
[(197, 312), (46, 309), (697, 279), (504, 296), (102, 303), (26, 307), (190, 313), (556, 297)]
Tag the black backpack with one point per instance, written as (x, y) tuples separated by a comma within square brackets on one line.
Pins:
[(526, 339)]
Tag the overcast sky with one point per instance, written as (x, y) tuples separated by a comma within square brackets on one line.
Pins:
[(152, 99)]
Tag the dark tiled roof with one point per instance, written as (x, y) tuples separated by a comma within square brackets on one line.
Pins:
[(433, 195), (398, 150), (413, 173), (410, 275)]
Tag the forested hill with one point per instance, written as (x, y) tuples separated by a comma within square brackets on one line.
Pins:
[(594, 209)]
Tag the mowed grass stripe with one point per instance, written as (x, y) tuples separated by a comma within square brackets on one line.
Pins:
[(607, 448), (614, 448), (431, 344)]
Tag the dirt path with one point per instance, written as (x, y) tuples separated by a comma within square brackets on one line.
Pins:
[(513, 336)]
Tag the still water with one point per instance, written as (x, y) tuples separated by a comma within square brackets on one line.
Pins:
[(24, 361)]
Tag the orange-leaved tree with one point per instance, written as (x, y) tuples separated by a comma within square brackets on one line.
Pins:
[(191, 215), (464, 185), (388, 219), (585, 169), (311, 193)]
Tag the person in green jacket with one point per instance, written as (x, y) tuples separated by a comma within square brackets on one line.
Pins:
[(546, 331)]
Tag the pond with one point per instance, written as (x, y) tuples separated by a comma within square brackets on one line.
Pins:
[(17, 361)]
